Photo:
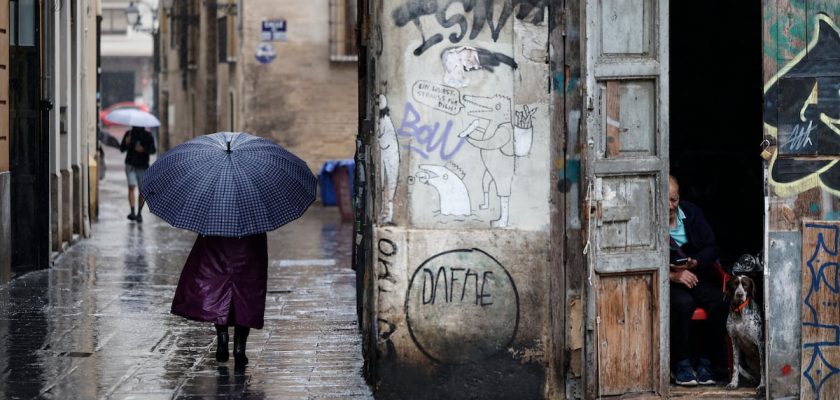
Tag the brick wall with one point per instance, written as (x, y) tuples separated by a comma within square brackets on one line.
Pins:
[(301, 99)]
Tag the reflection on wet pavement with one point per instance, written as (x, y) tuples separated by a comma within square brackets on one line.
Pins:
[(97, 324)]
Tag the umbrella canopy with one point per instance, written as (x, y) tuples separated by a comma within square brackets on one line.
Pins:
[(228, 184), (132, 117)]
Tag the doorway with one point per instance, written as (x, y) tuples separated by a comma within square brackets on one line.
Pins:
[(716, 106), (29, 146)]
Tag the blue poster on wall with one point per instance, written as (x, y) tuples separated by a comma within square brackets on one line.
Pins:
[(273, 31)]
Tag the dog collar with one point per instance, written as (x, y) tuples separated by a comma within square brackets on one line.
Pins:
[(741, 306)]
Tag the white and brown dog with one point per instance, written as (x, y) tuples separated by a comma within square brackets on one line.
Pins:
[(745, 329)]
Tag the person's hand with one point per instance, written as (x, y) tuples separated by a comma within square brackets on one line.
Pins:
[(139, 147), (684, 277), (691, 263)]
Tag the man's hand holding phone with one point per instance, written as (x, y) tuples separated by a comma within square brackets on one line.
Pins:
[(681, 264)]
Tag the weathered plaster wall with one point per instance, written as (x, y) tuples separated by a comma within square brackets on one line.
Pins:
[(462, 180), (801, 48), (301, 99)]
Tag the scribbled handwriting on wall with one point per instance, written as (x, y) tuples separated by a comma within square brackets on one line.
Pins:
[(821, 311), (440, 97), (429, 135), (483, 14), (445, 285), (385, 281), (387, 249), (462, 306), (802, 109)]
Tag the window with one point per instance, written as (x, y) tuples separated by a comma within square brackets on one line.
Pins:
[(22, 24), (343, 30), (227, 44), (114, 21)]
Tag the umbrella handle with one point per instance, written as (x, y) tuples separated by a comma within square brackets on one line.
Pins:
[(228, 147)]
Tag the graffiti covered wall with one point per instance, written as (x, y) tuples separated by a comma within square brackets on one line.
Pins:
[(801, 47), (462, 186)]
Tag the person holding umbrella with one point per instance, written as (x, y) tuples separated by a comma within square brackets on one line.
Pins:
[(231, 188), (138, 144)]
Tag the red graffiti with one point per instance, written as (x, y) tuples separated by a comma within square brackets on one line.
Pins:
[(786, 369)]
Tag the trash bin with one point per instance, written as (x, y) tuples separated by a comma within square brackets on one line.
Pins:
[(336, 186), (343, 193)]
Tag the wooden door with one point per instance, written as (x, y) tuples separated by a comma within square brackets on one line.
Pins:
[(626, 112)]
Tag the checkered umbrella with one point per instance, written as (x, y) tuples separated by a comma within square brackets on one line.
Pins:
[(228, 184)]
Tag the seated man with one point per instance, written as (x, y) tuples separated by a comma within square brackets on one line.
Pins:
[(694, 283)]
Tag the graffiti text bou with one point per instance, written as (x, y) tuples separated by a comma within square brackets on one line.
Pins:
[(429, 137)]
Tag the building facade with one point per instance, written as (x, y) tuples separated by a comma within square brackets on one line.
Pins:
[(513, 186), (50, 133), (127, 53), (231, 66)]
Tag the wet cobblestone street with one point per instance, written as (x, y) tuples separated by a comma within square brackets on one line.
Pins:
[(97, 325)]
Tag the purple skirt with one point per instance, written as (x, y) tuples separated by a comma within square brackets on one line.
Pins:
[(220, 273)]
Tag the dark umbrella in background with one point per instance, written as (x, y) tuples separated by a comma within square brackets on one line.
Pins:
[(229, 184)]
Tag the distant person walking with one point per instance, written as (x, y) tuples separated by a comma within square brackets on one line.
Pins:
[(138, 144)]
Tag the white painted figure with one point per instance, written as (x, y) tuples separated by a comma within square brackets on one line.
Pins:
[(498, 150), (448, 181), (389, 159)]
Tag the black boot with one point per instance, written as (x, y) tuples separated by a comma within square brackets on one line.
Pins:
[(222, 343), (240, 338)]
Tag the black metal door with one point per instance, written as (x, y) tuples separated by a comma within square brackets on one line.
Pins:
[(28, 158)]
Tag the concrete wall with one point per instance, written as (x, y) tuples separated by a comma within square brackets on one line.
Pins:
[(71, 128), (462, 167)]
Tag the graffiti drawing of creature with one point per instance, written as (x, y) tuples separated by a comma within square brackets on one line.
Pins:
[(498, 148), (449, 182), (389, 159)]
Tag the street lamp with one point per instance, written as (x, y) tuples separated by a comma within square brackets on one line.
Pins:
[(135, 20)]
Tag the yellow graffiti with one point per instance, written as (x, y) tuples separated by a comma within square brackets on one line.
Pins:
[(812, 180)]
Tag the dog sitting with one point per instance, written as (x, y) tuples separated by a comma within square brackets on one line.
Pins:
[(745, 329)]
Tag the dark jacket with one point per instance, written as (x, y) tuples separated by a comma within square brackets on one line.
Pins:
[(223, 272), (701, 244), (129, 143)]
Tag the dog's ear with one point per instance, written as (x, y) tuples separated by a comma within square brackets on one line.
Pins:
[(752, 288), (730, 285)]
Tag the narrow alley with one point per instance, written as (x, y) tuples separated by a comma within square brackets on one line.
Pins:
[(97, 324)]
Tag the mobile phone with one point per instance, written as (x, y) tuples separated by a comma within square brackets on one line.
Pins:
[(681, 261)]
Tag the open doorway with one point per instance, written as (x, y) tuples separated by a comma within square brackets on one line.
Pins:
[(716, 126)]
